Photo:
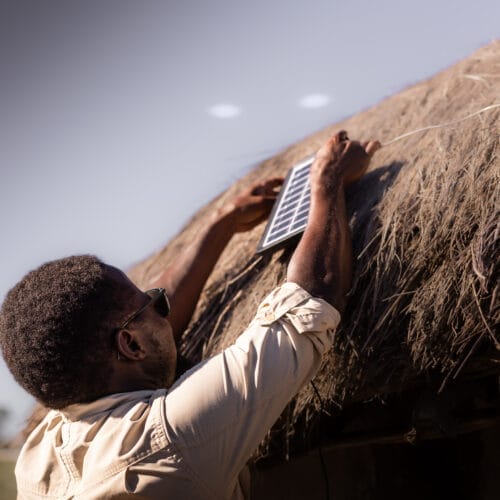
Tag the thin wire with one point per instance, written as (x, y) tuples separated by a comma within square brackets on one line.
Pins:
[(320, 449), (325, 474), (447, 124)]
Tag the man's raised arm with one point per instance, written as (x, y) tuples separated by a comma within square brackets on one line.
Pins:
[(322, 262), (185, 277)]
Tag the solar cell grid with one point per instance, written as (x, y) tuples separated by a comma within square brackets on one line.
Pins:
[(290, 212)]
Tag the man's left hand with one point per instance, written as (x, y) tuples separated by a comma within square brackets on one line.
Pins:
[(254, 205)]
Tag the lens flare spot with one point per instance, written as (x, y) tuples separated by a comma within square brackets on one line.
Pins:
[(224, 110), (314, 101)]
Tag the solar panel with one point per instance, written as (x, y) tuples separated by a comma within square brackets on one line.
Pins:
[(289, 215)]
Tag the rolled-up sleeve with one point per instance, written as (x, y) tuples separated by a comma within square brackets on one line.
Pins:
[(217, 413)]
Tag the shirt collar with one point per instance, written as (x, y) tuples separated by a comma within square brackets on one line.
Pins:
[(80, 411)]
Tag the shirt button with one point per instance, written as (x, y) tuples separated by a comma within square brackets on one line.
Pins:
[(269, 317)]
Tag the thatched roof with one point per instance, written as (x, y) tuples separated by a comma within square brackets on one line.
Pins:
[(425, 220), (425, 223)]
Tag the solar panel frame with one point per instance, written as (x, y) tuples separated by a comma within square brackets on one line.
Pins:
[(289, 215)]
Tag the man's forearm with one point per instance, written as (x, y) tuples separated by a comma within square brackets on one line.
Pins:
[(322, 262), (186, 277)]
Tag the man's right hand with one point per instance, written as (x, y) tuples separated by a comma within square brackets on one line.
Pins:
[(341, 161)]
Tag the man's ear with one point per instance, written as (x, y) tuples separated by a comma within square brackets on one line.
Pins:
[(129, 346)]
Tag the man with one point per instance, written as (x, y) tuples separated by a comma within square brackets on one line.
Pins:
[(86, 342)]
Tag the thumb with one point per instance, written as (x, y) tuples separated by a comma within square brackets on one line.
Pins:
[(372, 147)]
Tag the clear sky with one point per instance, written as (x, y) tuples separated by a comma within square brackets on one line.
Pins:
[(120, 118)]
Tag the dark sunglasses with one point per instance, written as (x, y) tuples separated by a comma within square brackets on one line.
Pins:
[(159, 301)]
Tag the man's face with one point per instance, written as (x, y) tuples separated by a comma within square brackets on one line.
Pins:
[(152, 332)]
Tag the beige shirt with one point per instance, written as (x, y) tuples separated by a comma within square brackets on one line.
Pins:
[(190, 441)]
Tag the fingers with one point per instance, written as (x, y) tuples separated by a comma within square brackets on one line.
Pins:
[(338, 138), (342, 136), (369, 146), (337, 141), (267, 187), (372, 147), (274, 182), (268, 204)]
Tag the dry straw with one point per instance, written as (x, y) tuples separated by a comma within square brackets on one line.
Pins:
[(441, 125), (424, 306)]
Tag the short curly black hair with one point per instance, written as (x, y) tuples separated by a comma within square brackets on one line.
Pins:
[(56, 330)]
